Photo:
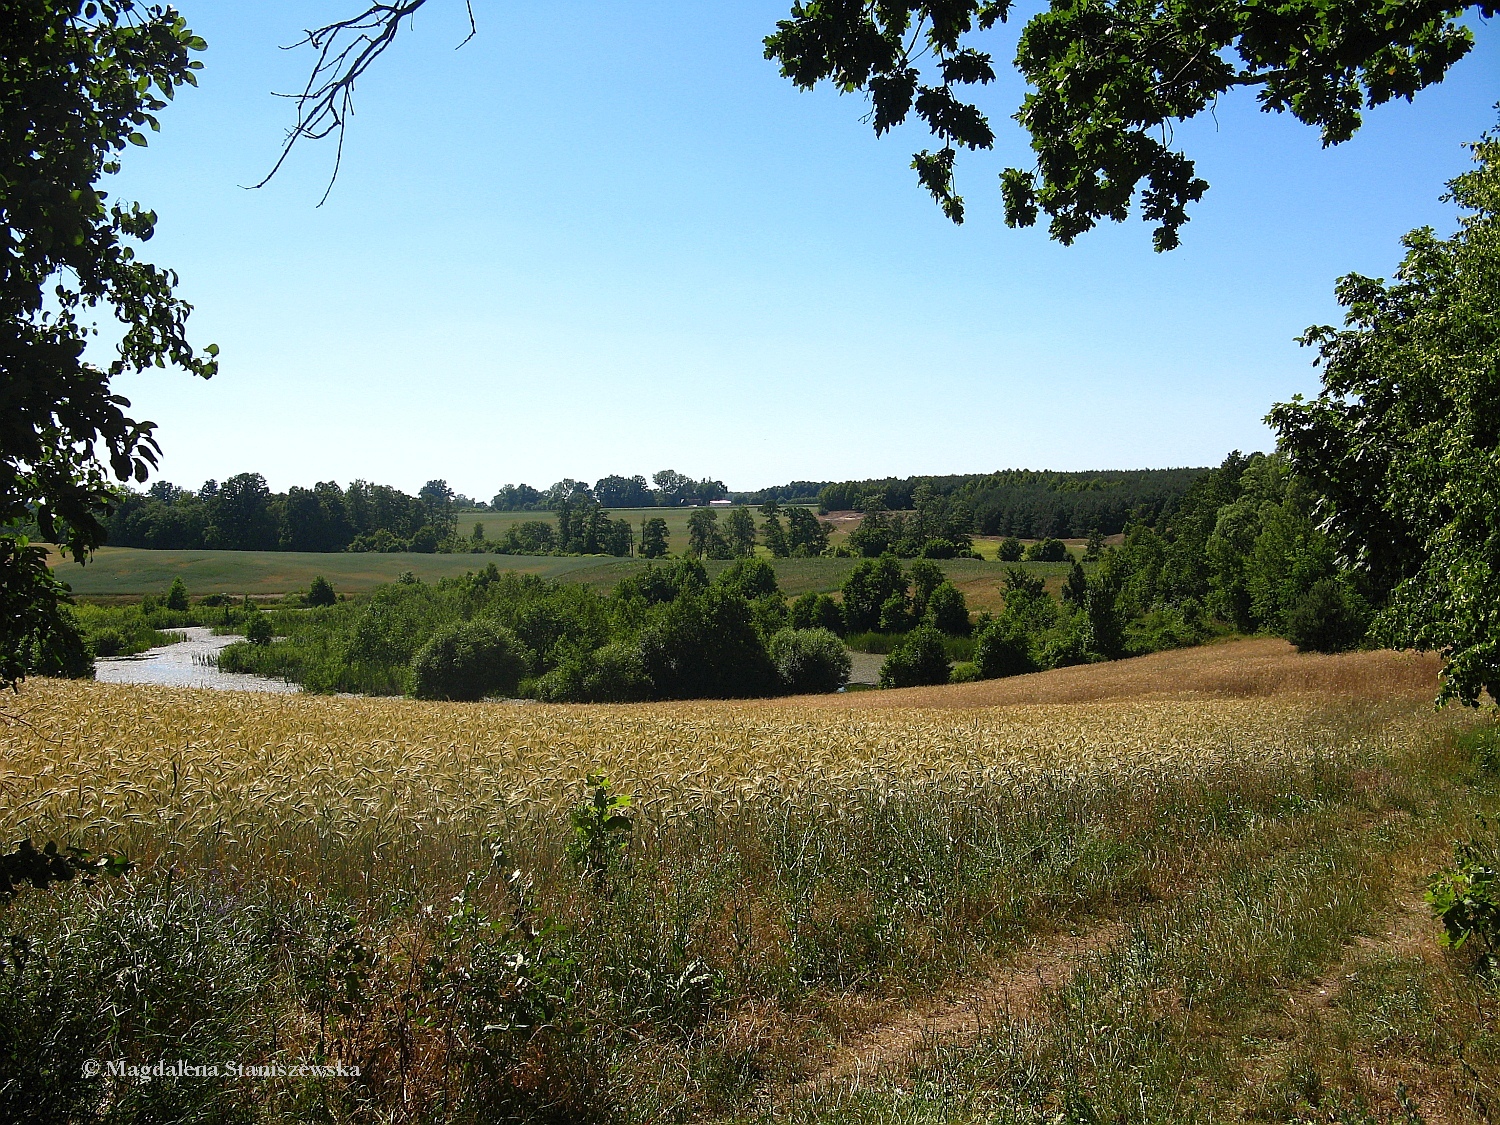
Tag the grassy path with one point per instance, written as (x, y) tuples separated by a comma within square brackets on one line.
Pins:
[(1291, 973)]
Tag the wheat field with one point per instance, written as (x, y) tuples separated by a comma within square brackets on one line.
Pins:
[(146, 768), (399, 885)]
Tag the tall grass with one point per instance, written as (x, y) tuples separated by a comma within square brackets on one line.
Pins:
[(386, 884)]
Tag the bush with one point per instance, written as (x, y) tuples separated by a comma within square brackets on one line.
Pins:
[(964, 672), (870, 585), (1003, 650), (1047, 550), (612, 674), (894, 617), (1466, 896), (919, 659), (947, 612), (468, 662), (1330, 617), (705, 646), (939, 549), (321, 592), (810, 660), (258, 629), (1010, 549), (818, 611), (177, 596)]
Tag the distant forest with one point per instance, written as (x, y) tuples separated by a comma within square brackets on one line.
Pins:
[(1019, 502)]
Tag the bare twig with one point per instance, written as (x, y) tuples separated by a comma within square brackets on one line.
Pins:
[(345, 50)]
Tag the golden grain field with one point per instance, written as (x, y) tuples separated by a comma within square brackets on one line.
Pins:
[(150, 768)]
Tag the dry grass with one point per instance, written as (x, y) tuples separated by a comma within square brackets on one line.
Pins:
[(1261, 667)]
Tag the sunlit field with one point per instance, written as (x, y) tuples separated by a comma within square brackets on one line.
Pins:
[(890, 906), (125, 573)]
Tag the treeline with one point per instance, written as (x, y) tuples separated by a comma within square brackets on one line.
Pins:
[(243, 514), (672, 490), (1239, 552), (1027, 504)]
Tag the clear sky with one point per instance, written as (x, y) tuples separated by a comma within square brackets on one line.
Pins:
[(609, 237)]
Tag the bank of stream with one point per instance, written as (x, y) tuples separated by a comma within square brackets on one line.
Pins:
[(193, 662)]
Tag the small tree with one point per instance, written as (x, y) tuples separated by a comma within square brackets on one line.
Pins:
[(1076, 586), (919, 659), (772, 533), (739, 533), (926, 576), (818, 611), (321, 592), (177, 596), (704, 538), (467, 662), (1003, 650), (810, 660), (1328, 618), (258, 628), (947, 611), (1047, 550), (1010, 549), (654, 538)]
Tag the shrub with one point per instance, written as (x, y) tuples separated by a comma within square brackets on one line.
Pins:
[(810, 660), (1330, 617), (750, 578), (612, 674), (468, 661), (1003, 650), (1047, 550), (939, 549), (870, 585), (947, 612), (177, 596), (964, 672), (321, 592), (705, 646), (258, 629), (1010, 549), (818, 611), (1466, 896), (894, 617), (918, 660)]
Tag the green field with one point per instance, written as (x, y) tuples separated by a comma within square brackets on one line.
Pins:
[(117, 572), (130, 571)]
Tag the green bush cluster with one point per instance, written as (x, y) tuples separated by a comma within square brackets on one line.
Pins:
[(665, 632)]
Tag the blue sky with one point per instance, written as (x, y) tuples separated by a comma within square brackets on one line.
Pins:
[(609, 238)]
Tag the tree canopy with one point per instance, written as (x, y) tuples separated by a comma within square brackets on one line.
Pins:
[(1403, 444), (1108, 79), (79, 82)]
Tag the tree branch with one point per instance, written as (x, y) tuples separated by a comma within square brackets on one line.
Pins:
[(345, 50)]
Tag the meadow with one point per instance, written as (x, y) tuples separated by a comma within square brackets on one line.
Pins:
[(117, 573), (1186, 890)]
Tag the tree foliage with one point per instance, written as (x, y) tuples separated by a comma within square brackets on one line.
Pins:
[(1108, 80), (1403, 444), (79, 83)]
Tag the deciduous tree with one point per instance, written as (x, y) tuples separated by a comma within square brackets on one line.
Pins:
[(1403, 443), (79, 83)]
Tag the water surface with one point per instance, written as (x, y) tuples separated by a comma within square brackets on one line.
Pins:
[(189, 663)]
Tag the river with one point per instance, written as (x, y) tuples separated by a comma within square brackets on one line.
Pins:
[(189, 663)]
